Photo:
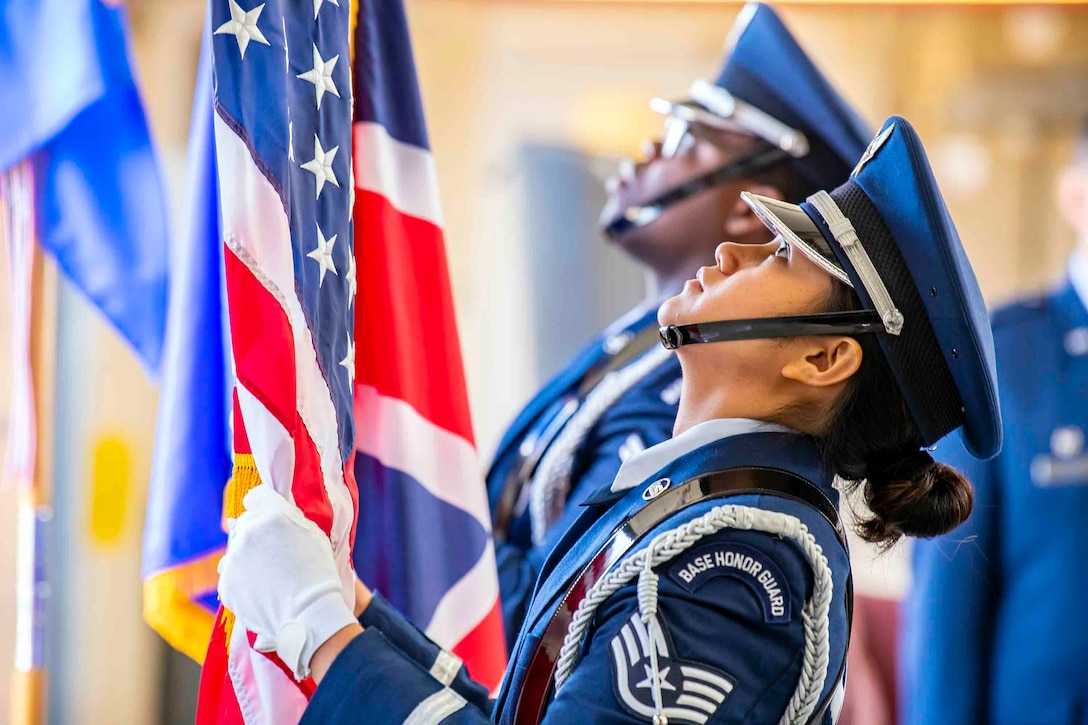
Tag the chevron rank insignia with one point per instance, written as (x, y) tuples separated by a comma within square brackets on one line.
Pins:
[(690, 692)]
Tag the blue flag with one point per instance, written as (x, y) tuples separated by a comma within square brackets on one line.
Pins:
[(71, 107), (183, 538)]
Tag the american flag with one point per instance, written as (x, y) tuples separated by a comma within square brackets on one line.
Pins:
[(285, 143), (283, 150)]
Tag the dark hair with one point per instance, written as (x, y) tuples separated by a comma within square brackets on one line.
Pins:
[(787, 178), (872, 440)]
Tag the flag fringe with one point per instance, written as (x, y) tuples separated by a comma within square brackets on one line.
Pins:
[(244, 479)]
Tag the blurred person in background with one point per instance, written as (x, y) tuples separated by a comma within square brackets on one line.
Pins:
[(992, 631), (769, 123)]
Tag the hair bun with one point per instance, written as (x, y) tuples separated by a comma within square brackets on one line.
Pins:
[(913, 495), (907, 467)]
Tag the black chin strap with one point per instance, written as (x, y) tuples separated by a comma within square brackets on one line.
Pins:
[(639, 216), (826, 323)]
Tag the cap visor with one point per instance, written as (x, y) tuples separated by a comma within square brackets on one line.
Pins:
[(693, 112), (790, 222)]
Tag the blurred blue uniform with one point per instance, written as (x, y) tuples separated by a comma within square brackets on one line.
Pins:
[(640, 417), (992, 632), (765, 76)]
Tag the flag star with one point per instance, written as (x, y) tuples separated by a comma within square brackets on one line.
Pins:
[(348, 363), (349, 278), (321, 165), (318, 3), (323, 255), (663, 676), (321, 76), (243, 26)]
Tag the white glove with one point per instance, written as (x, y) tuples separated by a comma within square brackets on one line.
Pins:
[(280, 578)]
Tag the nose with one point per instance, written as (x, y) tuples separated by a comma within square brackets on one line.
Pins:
[(651, 150), (731, 256)]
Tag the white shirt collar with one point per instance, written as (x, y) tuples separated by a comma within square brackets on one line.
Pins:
[(644, 464), (1078, 274)]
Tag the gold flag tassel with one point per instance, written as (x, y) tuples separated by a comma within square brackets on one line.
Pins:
[(243, 479)]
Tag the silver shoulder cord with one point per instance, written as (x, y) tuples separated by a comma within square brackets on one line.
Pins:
[(550, 485), (670, 544)]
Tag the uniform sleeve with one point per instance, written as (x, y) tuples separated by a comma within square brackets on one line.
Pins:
[(948, 613), (374, 682), (731, 642), (445, 667)]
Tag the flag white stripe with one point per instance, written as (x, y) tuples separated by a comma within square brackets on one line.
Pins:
[(404, 174), (466, 603), (392, 431), (273, 449), (265, 693)]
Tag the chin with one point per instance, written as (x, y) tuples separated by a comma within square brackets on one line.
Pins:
[(675, 310)]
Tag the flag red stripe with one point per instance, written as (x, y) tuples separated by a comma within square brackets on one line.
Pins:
[(241, 438), (216, 702), (264, 350), (307, 486), (481, 650), (408, 344), (353, 489)]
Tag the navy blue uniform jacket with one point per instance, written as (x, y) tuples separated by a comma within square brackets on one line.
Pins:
[(734, 634)]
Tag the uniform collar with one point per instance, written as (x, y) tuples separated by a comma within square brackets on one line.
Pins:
[(644, 464), (1078, 274)]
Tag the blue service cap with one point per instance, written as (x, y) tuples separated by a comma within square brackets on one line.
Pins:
[(887, 232), (768, 86)]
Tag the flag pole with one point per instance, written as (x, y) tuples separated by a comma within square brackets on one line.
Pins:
[(29, 463)]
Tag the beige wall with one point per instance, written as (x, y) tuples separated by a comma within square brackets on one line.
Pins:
[(994, 91)]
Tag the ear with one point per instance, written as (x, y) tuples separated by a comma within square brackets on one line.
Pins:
[(741, 223), (1072, 197), (824, 362)]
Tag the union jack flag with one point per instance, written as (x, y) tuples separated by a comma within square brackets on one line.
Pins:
[(424, 525), (303, 423)]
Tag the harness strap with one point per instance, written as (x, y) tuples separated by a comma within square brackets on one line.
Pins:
[(538, 686)]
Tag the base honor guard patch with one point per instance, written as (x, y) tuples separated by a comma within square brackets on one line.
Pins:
[(690, 692), (699, 565)]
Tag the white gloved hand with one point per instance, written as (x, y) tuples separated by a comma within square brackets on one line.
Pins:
[(280, 578)]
